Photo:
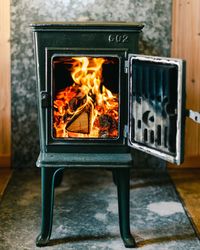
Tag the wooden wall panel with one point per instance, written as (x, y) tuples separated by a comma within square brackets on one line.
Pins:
[(186, 45), (5, 92)]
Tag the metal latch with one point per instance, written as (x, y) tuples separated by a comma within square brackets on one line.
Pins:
[(45, 99), (195, 116), (126, 66), (125, 131)]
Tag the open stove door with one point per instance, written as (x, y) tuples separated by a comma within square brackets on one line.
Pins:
[(157, 106)]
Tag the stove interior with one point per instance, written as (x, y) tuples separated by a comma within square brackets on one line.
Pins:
[(85, 97)]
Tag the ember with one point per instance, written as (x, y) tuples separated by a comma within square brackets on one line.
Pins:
[(86, 108)]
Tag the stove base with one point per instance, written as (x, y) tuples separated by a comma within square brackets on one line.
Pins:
[(121, 177), (81, 160)]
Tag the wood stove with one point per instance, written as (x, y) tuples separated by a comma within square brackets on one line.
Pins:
[(97, 99)]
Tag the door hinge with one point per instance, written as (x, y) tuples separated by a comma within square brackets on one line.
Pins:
[(125, 131), (126, 66), (195, 116), (45, 99)]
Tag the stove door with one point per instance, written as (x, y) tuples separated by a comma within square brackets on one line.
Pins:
[(157, 106)]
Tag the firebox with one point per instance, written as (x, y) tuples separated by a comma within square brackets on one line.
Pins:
[(97, 99), (85, 97)]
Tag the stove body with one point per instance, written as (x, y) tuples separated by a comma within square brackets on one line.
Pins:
[(128, 101), (82, 40)]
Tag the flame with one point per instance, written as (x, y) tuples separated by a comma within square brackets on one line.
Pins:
[(86, 94)]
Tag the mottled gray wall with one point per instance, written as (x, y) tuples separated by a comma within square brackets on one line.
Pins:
[(155, 14)]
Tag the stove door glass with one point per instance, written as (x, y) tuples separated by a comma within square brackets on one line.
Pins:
[(85, 97), (156, 106)]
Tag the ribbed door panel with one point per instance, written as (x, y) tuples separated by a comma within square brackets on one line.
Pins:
[(155, 108)]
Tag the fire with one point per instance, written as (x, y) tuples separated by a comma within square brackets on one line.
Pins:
[(86, 108)]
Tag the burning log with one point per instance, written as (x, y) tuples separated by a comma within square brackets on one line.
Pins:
[(81, 122), (76, 102), (106, 124)]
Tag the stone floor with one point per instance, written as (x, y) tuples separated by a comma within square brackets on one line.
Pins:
[(86, 217)]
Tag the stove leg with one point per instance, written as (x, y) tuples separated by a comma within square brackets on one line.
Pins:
[(114, 175), (48, 178), (58, 179), (122, 179)]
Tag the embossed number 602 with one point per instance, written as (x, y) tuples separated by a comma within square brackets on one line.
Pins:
[(118, 38)]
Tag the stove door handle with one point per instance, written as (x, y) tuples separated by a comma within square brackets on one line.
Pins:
[(45, 99), (195, 116)]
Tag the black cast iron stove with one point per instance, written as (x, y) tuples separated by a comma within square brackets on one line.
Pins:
[(97, 99)]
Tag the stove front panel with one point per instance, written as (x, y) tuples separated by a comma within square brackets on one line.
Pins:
[(87, 98), (79, 122), (157, 106)]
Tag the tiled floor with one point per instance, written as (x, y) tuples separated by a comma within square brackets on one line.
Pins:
[(85, 214)]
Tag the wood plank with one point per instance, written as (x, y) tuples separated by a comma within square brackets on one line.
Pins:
[(5, 175), (188, 185), (5, 91), (5, 160), (81, 124), (186, 45)]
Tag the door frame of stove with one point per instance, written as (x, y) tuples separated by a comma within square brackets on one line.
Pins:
[(70, 144)]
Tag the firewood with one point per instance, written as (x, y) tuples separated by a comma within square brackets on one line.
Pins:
[(80, 123)]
